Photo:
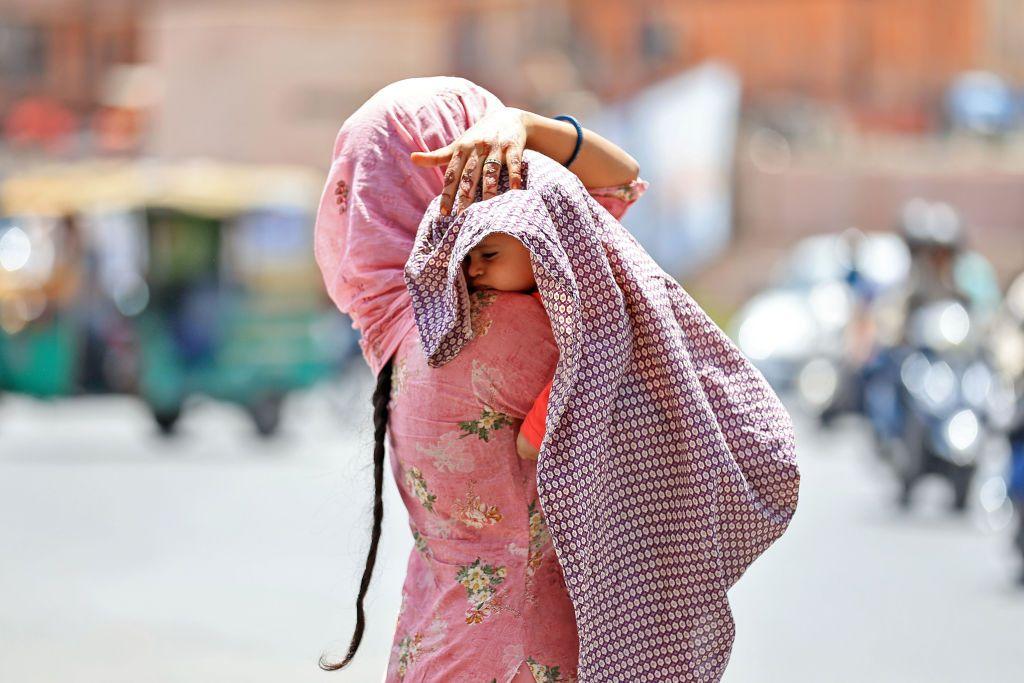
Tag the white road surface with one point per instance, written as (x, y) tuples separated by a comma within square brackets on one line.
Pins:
[(216, 556)]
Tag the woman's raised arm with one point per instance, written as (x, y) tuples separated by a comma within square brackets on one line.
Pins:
[(600, 162), (500, 137)]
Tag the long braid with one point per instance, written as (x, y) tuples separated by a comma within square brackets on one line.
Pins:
[(381, 396)]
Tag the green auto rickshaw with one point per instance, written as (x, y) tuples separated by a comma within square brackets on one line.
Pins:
[(192, 279), (44, 274)]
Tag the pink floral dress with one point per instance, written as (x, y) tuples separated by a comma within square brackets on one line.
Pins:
[(484, 599), (484, 596)]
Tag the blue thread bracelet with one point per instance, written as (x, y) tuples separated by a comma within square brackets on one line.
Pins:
[(579, 136)]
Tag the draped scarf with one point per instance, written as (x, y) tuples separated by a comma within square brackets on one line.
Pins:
[(668, 464)]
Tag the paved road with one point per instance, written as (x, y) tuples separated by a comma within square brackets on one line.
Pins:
[(217, 557)]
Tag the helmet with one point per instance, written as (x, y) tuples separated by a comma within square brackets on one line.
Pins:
[(931, 225)]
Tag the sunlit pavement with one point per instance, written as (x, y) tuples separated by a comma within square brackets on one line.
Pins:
[(216, 556)]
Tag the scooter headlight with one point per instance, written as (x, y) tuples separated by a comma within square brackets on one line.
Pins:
[(934, 384), (940, 385), (977, 384), (941, 325), (1001, 405), (963, 434), (818, 382)]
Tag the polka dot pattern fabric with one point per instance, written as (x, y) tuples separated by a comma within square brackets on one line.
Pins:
[(668, 464)]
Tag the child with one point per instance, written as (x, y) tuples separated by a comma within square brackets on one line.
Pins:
[(502, 262)]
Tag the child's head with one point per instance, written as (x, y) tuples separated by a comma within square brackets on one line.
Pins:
[(499, 261)]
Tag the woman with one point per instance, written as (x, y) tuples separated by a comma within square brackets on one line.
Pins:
[(484, 597)]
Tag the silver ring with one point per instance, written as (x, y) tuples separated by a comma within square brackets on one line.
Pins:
[(493, 161)]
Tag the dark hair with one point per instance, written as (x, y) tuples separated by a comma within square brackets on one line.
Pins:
[(381, 396)]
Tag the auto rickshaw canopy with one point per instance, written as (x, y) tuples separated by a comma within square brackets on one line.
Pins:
[(205, 187)]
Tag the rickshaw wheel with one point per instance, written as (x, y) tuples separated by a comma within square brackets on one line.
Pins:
[(266, 413), (166, 419)]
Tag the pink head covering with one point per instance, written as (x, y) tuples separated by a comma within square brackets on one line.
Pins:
[(668, 464), (375, 197)]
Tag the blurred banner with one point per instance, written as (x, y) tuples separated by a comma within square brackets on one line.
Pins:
[(682, 131)]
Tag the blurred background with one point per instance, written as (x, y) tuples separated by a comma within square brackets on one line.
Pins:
[(185, 433)]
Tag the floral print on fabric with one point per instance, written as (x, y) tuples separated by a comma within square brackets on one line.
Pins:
[(408, 648), (487, 381), (489, 421), (341, 195), (420, 543), (478, 302), (449, 453), (480, 581), (472, 512), (418, 485), (399, 375), (539, 537), (437, 527), (544, 674)]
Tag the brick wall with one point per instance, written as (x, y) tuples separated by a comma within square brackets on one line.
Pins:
[(871, 53)]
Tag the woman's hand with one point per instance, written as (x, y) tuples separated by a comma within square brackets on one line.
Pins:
[(496, 139), (500, 138)]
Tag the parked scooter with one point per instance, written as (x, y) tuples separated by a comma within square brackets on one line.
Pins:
[(944, 400), (831, 383), (805, 332), (929, 386)]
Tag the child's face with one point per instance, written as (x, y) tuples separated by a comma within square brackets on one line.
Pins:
[(499, 261)]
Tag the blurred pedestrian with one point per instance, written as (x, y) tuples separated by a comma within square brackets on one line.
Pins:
[(40, 121)]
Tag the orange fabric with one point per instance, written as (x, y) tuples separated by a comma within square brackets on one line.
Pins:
[(535, 423)]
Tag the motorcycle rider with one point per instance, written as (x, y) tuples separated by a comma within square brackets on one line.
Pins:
[(941, 268), (934, 236)]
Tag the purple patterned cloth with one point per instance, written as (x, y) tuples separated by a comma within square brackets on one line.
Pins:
[(668, 464)]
